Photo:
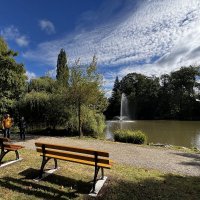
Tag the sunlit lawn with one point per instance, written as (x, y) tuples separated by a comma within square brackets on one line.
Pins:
[(73, 181)]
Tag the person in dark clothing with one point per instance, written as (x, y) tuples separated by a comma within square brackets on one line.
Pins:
[(22, 128)]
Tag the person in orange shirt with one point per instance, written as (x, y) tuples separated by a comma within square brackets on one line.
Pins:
[(7, 124)]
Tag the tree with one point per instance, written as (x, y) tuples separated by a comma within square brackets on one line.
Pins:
[(85, 90), (177, 97), (114, 101), (45, 103), (62, 68), (12, 78), (142, 93), (40, 84), (182, 83), (164, 98)]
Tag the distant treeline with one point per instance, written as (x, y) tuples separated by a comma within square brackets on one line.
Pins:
[(172, 96)]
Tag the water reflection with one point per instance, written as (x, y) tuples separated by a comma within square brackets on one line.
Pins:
[(196, 140), (180, 133)]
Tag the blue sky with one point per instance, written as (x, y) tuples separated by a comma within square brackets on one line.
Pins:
[(144, 36)]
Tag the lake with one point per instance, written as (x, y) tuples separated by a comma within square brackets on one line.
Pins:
[(179, 133)]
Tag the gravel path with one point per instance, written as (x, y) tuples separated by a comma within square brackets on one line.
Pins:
[(162, 159)]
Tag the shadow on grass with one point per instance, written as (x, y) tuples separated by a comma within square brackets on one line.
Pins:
[(163, 188), (80, 186), (51, 187)]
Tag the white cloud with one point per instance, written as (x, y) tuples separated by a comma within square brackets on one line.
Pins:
[(185, 52), (108, 93), (30, 75), (156, 38), (12, 33), (22, 41), (47, 26)]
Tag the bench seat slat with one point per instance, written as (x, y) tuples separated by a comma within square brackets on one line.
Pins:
[(73, 149), (12, 146), (11, 149), (74, 156), (107, 166)]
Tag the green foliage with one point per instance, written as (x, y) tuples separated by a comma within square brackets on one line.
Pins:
[(62, 68), (45, 103), (78, 106), (73, 103), (142, 93), (33, 106), (58, 107), (114, 101), (130, 136), (12, 79), (93, 123), (41, 84), (3, 47), (85, 91), (177, 97), (172, 96)]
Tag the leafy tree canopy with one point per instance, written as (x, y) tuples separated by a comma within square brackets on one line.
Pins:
[(12, 78), (85, 89)]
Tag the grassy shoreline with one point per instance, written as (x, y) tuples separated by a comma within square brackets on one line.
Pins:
[(149, 145), (62, 133)]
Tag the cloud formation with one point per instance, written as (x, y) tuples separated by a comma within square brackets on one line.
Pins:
[(47, 26), (30, 75), (13, 33), (155, 37), (22, 41)]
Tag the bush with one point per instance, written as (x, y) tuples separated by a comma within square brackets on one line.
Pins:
[(93, 123), (130, 136)]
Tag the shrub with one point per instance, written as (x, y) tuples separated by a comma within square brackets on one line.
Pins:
[(130, 136), (93, 123)]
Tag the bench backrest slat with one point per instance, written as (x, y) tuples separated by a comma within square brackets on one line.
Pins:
[(74, 156), (72, 149)]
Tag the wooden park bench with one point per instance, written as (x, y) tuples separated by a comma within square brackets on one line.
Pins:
[(6, 147), (98, 159)]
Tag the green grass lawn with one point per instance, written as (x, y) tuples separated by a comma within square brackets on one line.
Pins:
[(73, 181)]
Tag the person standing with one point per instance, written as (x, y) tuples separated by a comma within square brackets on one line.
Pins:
[(7, 124), (22, 128)]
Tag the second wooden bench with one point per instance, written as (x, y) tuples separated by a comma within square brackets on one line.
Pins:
[(7, 146)]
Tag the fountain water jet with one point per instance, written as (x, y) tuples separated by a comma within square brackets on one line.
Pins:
[(124, 108), (119, 121)]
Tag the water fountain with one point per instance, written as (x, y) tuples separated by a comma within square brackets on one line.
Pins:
[(124, 110), (119, 121), (124, 115)]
